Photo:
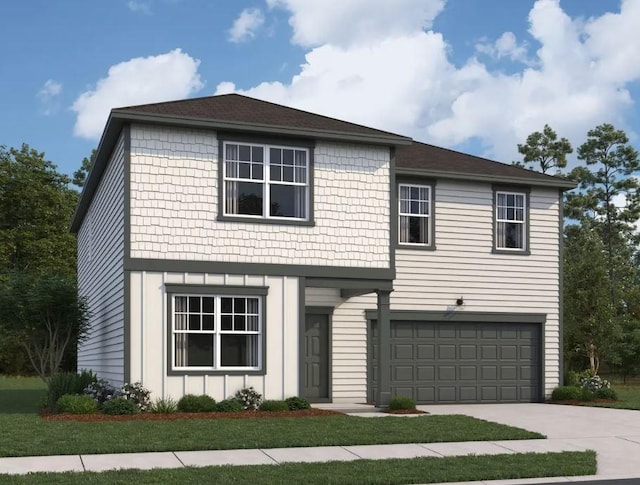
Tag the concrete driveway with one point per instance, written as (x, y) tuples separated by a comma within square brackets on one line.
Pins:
[(613, 433)]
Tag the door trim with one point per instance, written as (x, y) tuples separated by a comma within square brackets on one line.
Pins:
[(317, 310)]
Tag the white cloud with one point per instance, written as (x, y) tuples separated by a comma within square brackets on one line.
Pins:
[(49, 94), (140, 80), (506, 46), (245, 26), (400, 78), (139, 6), (350, 22)]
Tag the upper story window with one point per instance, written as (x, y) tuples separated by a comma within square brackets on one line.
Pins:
[(415, 206), (510, 215), (266, 181)]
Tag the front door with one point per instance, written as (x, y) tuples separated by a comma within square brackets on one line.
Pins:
[(315, 379)]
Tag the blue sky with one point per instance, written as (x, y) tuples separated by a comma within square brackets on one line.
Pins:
[(476, 76)]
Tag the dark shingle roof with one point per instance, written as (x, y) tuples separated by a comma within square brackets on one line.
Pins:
[(442, 162), (242, 109)]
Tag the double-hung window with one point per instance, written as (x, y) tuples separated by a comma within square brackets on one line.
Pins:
[(266, 181), (216, 332), (415, 213), (510, 221)]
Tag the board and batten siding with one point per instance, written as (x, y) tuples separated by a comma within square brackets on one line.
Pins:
[(174, 206), (148, 336), (101, 275), (463, 264)]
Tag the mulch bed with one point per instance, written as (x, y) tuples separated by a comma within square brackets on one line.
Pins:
[(173, 416), (575, 402), (405, 411)]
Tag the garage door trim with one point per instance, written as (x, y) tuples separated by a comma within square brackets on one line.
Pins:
[(461, 317)]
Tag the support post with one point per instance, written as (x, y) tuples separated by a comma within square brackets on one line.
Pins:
[(383, 395)]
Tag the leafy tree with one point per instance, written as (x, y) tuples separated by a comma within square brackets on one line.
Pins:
[(609, 195), (590, 329), (80, 175), (36, 206), (544, 150), (48, 315)]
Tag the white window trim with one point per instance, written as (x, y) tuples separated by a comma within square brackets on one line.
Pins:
[(523, 222), (216, 333), (265, 181), (409, 214)]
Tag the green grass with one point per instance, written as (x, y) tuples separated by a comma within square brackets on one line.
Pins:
[(628, 398), (25, 433), (394, 471)]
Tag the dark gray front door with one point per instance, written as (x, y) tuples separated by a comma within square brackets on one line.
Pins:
[(462, 362), (315, 382)]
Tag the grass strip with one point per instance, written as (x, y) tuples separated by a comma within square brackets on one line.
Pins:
[(393, 471), (26, 435)]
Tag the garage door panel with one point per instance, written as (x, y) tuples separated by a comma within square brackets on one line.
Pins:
[(463, 362)]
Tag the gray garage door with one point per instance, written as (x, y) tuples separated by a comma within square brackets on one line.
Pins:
[(461, 362)]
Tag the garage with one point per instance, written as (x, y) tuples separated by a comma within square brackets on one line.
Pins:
[(461, 362)]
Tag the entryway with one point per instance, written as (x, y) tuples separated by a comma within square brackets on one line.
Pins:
[(315, 378)]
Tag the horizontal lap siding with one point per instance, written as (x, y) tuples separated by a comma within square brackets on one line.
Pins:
[(100, 273), (464, 266), (150, 322)]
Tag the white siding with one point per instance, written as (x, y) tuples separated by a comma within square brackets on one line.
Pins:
[(174, 206), (100, 273), (149, 334), (464, 266)]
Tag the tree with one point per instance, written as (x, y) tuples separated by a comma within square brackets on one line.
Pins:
[(590, 329), (47, 313), (80, 175), (36, 206), (609, 193), (543, 149)]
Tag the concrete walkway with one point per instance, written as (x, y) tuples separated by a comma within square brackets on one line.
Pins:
[(613, 434)]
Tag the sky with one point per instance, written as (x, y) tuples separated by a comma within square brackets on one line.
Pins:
[(475, 76)]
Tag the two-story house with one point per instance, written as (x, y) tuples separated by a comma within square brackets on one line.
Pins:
[(226, 242)]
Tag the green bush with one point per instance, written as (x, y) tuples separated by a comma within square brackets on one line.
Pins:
[(571, 393), (606, 393), (75, 404), (297, 402), (229, 406), (67, 383), (137, 393), (249, 398), (119, 405), (190, 403), (574, 378), (401, 402), (165, 405), (274, 406)]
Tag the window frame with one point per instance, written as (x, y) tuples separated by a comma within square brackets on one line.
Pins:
[(523, 192), (431, 186), (266, 183), (217, 292)]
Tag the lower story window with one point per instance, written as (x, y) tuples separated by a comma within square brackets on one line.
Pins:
[(217, 332)]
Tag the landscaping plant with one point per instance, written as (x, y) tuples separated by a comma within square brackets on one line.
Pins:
[(249, 398), (401, 402), (67, 383), (76, 404), (165, 405), (295, 403), (229, 406), (137, 394), (119, 405), (101, 391), (272, 405), (190, 403)]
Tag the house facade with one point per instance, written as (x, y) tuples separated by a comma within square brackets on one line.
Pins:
[(227, 242)]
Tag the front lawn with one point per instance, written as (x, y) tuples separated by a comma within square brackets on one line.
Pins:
[(628, 398), (25, 433), (394, 471)]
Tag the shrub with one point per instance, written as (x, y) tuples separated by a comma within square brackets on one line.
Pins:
[(190, 403), (274, 406), (249, 398), (229, 406), (137, 394), (67, 383), (76, 404), (571, 393), (165, 405), (606, 393), (296, 403), (574, 378), (595, 383), (401, 402), (119, 405), (100, 391)]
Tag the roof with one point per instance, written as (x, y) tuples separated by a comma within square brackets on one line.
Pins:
[(424, 159), (238, 113)]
